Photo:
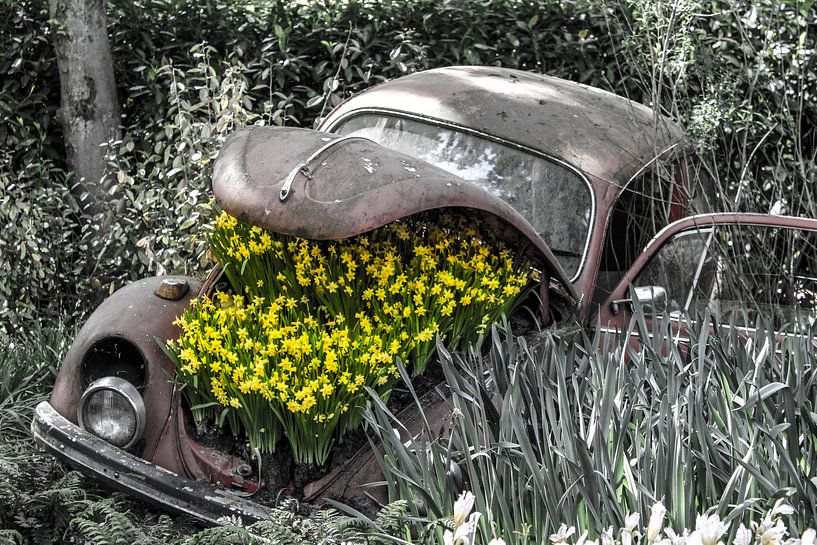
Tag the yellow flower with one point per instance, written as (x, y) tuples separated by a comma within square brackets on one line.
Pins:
[(425, 335)]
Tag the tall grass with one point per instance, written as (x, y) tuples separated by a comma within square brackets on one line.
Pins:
[(28, 366), (586, 430)]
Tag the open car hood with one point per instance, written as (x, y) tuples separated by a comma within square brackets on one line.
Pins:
[(321, 186)]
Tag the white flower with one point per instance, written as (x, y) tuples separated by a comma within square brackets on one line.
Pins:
[(772, 534), (657, 514), (710, 528), (606, 537), (809, 537), (781, 508), (497, 541), (563, 533), (630, 529), (462, 507), (743, 536), (694, 538), (464, 534), (675, 538)]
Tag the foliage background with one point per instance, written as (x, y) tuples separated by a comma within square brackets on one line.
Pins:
[(740, 76)]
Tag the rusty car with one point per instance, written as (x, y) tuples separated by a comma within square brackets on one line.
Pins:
[(583, 176)]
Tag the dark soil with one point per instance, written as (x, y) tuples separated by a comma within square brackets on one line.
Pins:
[(277, 470), (280, 474), (303, 474)]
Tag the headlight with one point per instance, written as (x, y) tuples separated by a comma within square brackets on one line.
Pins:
[(112, 409)]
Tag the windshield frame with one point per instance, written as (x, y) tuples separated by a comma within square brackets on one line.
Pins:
[(335, 123)]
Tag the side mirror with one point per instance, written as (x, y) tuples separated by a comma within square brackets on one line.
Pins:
[(653, 299)]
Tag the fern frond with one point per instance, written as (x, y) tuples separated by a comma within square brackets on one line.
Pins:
[(11, 537)]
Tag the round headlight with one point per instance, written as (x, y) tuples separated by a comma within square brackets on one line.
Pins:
[(112, 409)]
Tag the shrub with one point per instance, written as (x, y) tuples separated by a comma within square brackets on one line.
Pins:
[(188, 72), (28, 365), (742, 78)]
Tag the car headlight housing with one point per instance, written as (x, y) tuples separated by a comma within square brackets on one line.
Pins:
[(112, 409)]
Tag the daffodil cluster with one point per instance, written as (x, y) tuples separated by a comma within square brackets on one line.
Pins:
[(310, 324)]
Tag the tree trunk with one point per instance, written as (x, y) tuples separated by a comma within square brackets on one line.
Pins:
[(89, 110)]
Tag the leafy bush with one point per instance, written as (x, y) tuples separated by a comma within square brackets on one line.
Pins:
[(28, 365), (568, 431), (210, 67), (742, 78)]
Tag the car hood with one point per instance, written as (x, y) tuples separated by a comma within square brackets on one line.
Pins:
[(322, 186)]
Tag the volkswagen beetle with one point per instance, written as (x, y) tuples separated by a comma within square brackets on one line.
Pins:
[(584, 177)]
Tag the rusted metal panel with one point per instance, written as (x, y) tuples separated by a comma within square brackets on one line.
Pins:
[(602, 134), (137, 315), (356, 477), (215, 466), (351, 188)]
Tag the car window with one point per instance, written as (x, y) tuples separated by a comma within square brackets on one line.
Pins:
[(740, 273), (553, 198), (651, 201)]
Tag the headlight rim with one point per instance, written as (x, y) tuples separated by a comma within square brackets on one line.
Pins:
[(126, 390)]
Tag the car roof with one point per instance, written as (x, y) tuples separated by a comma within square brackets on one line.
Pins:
[(601, 134)]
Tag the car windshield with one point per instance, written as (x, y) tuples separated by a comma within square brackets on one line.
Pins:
[(553, 198)]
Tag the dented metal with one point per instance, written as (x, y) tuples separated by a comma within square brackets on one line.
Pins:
[(604, 135), (136, 476), (342, 199), (303, 168)]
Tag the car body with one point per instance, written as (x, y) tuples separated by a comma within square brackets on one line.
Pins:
[(567, 169)]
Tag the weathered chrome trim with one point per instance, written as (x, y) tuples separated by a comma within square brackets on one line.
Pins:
[(119, 469), (304, 167)]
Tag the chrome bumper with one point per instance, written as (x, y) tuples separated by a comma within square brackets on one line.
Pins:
[(119, 469)]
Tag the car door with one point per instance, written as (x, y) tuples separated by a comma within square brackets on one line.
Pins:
[(739, 270)]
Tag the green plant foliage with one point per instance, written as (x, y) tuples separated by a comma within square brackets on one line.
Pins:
[(311, 323), (188, 72), (742, 78), (28, 365), (287, 524), (42, 504), (569, 432)]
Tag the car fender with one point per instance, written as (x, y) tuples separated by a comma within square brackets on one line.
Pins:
[(123, 328)]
